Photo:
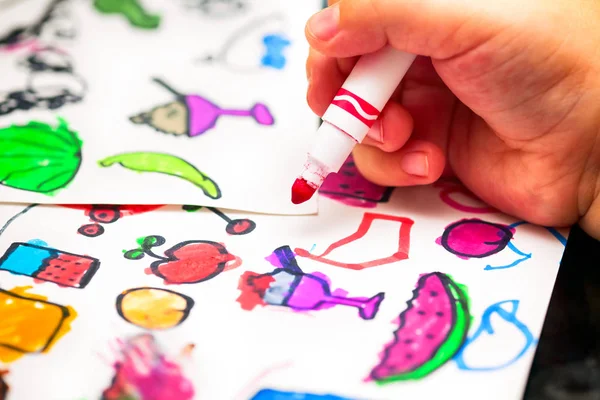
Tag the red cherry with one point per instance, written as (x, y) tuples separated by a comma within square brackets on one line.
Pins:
[(240, 227), (91, 230), (105, 214)]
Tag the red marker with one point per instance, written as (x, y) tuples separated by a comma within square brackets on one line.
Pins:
[(351, 114)]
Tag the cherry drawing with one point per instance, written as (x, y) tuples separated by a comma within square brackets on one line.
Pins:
[(241, 226), (475, 238), (106, 214)]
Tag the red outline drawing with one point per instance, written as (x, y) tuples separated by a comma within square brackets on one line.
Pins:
[(368, 218), (449, 188)]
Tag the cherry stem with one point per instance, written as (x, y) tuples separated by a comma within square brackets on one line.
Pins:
[(147, 249), (220, 214)]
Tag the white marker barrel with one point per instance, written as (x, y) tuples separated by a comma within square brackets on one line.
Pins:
[(367, 90)]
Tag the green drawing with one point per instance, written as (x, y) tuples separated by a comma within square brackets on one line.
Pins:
[(38, 157), (431, 330), (130, 9), (165, 164)]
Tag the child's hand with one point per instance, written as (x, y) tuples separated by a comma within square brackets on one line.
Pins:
[(507, 98)]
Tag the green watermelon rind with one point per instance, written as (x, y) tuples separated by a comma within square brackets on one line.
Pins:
[(455, 338)]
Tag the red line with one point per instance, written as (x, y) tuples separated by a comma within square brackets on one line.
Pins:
[(368, 218)]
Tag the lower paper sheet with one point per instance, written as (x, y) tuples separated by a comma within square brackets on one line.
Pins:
[(411, 294)]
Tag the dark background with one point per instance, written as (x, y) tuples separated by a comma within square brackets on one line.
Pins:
[(566, 364)]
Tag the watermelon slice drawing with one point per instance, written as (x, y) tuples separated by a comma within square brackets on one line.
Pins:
[(431, 331), (37, 260), (349, 187)]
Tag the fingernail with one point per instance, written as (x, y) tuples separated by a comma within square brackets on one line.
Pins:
[(376, 132), (324, 25), (415, 163)]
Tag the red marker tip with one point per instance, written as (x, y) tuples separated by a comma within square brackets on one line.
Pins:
[(302, 191)]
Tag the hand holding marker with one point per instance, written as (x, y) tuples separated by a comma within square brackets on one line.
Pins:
[(351, 114)]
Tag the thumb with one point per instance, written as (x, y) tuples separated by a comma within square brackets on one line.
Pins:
[(439, 29)]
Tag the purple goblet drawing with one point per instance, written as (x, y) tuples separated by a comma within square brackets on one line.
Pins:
[(193, 115), (203, 114), (288, 286)]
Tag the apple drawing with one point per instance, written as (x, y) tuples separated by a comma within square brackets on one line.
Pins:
[(192, 261)]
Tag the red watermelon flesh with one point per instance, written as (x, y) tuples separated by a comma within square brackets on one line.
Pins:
[(350, 187), (68, 269), (432, 329)]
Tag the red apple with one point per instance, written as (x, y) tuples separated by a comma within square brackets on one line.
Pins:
[(192, 262)]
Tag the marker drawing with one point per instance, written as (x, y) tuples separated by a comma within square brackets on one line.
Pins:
[(351, 114)]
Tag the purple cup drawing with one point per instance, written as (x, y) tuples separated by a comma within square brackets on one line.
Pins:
[(288, 286), (193, 115)]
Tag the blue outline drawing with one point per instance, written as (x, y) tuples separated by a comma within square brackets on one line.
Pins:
[(272, 394), (525, 256), (485, 326)]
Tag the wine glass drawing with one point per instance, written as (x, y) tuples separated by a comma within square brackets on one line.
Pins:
[(288, 286)]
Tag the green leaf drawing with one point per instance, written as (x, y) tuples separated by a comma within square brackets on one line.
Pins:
[(135, 254), (153, 241), (38, 157), (190, 208), (165, 164)]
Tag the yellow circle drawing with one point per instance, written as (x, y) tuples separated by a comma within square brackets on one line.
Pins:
[(153, 308)]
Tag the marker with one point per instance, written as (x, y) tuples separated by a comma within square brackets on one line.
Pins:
[(351, 114)]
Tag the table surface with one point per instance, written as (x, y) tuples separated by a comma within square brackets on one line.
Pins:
[(567, 361)]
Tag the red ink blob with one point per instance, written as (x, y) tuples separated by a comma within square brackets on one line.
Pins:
[(302, 191), (253, 287), (241, 226)]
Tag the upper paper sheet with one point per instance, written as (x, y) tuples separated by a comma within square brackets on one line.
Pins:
[(102, 102)]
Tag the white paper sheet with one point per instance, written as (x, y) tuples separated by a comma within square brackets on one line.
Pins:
[(248, 159), (193, 301), (239, 352)]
